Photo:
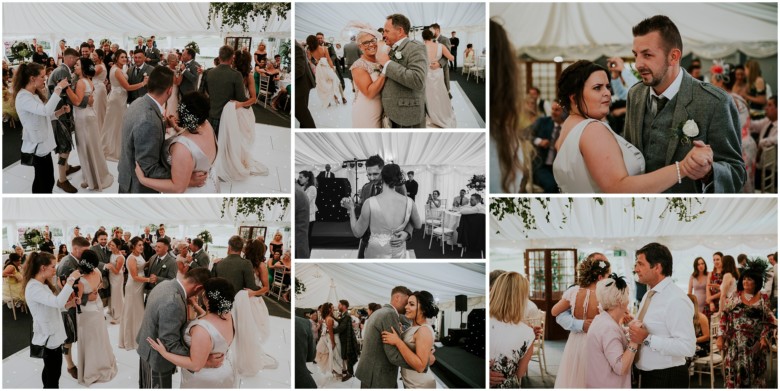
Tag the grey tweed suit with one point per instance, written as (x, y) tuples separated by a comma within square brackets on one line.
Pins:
[(200, 259), (403, 96), (237, 270), (134, 77), (189, 81), (164, 318), (714, 112), (443, 61), (165, 269), (143, 139), (379, 363)]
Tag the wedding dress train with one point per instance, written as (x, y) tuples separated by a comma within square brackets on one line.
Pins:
[(236, 136)]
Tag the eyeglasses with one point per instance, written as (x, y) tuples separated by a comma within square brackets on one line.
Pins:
[(373, 41)]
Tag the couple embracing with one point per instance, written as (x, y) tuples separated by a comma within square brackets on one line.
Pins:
[(388, 344), (681, 134)]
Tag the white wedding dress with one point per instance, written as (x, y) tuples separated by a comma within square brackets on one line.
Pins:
[(569, 167), (328, 84), (253, 327), (367, 113), (202, 163), (437, 99), (328, 356), (236, 137), (222, 377), (382, 231)]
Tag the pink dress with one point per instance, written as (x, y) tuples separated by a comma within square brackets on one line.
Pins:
[(571, 373), (606, 343)]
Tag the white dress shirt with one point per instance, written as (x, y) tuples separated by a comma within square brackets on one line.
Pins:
[(45, 309), (36, 118), (669, 320), (673, 88)]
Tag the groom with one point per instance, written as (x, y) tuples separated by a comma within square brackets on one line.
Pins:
[(406, 66), (143, 136), (668, 98), (379, 363), (224, 84)]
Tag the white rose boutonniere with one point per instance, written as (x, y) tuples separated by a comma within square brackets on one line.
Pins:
[(686, 131), (398, 55)]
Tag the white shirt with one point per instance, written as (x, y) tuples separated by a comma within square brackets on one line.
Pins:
[(672, 90), (36, 118), (669, 319), (45, 309)]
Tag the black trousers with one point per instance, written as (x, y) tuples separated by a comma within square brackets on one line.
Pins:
[(302, 113), (397, 126), (43, 182), (454, 62), (52, 368), (674, 377)]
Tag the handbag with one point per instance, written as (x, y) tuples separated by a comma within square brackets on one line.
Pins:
[(38, 351), (28, 159)]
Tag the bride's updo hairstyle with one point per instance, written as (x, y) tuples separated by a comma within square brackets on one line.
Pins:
[(572, 83), (220, 294), (589, 270), (392, 175), (312, 43), (193, 111), (87, 67), (426, 304), (89, 261), (427, 35), (243, 63)]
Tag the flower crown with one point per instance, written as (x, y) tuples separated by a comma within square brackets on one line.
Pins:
[(223, 305), (187, 120)]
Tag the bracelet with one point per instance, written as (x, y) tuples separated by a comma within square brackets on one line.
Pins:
[(679, 178), (634, 350)]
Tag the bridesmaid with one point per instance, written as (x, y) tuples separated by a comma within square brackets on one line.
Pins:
[(697, 284), (101, 93), (117, 106), (95, 174), (133, 311), (172, 105), (116, 278)]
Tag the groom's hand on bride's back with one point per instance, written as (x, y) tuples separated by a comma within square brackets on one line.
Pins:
[(399, 238), (198, 179), (215, 360)]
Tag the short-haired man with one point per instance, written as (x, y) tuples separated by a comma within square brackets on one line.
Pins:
[(236, 269), (663, 326), (64, 123), (223, 84), (349, 343), (162, 265), (138, 72), (199, 257), (454, 42), (411, 185), (461, 200), (475, 206), (192, 70), (67, 265)]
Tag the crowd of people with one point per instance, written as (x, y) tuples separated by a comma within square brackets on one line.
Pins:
[(656, 346), (395, 335), (151, 287), (560, 144), (386, 67), (161, 111)]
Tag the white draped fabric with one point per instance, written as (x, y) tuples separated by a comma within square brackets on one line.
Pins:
[(365, 283), (467, 19), (590, 30), (440, 161)]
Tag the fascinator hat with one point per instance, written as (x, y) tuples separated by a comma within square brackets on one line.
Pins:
[(355, 28)]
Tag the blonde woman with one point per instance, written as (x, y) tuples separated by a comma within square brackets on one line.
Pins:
[(511, 339)]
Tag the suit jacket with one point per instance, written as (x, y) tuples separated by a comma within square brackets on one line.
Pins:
[(331, 52), (148, 250), (132, 78), (411, 188), (304, 77), (164, 317), (224, 84), (385, 359), (105, 258), (543, 128), (454, 42), (351, 53), (165, 269), (443, 61), (321, 175), (63, 72), (143, 139), (189, 81), (304, 352), (139, 47), (200, 259), (237, 270), (403, 96), (152, 56), (714, 112), (66, 266), (301, 224)]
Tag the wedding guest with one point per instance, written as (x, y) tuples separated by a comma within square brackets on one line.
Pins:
[(460, 200), (511, 342), (60, 51), (62, 252), (583, 303), (13, 281), (260, 53), (746, 327), (433, 201), (475, 206), (701, 325), (728, 287), (546, 131), (133, 310), (304, 77), (36, 111), (543, 107), (608, 353), (741, 261), (756, 86), (411, 185), (663, 326), (172, 105), (152, 53), (200, 258), (713, 286), (100, 93), (511, 152), (766, 128), (40, 57), (47, 245), (697, 284), (116, 106), (116, 278), (302, 242), (468, 56), (277, 244), (84, 49), (305, 351), (48, 329)]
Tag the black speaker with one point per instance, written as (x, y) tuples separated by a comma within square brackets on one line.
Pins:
[(461, 303)]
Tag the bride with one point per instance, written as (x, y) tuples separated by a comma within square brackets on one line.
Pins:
[(416, 342), (329, 348), (328, 83), (213, 332), (386, 214), (602, 161), (437, 100), (194, 148), (237, 130), (368, 78)]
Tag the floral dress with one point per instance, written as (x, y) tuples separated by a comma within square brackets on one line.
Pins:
[(509, 343), (715, 278), (742, 327)]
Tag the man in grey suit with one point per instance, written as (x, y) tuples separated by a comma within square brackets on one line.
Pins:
[(235, 269), (189, 81), (199, 257), (162, 265), (406, 67), (64, 71), (164, 319), (379, 362), (223, 85), (136, 74), (152, 53), (305, 351), (667, 98), (351, 54), (67, 265), (443, 62), (104, 257)]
